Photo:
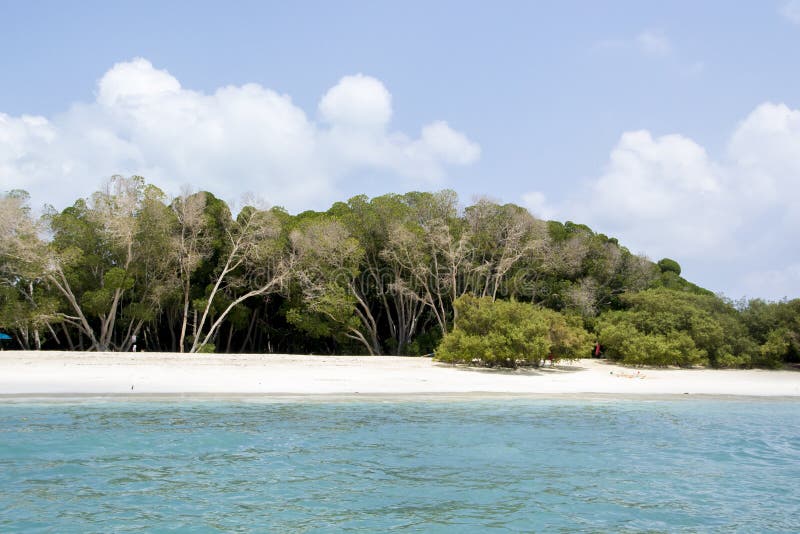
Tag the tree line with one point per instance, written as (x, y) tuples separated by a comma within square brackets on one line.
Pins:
[(387, 275)]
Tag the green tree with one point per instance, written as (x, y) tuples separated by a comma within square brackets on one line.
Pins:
[(775, 326), (95, 248), (669, 266), (27, 309), (254, 264), (395, 304), (327, 260)]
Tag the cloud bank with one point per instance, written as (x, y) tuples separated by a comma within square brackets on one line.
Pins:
[(735, 220), (238, 139)]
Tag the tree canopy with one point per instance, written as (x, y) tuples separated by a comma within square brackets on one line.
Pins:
[(394, 274)]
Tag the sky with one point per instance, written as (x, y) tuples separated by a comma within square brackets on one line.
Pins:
[(673, 126)]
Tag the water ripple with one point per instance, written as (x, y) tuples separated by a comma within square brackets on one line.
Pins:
[(511, 465)]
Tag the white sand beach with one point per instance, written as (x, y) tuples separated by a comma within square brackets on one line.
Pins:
[(84, 373)]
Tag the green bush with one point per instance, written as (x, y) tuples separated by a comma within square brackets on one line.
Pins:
[(772, 352), (510, 334), (622, 341), (666, 327), (775, 326)]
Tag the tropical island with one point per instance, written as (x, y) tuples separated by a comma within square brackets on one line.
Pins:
[(488, 285)]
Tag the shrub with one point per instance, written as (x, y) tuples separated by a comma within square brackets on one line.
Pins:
[(510, 334), (772, 352), (622, 341), (666, 327)]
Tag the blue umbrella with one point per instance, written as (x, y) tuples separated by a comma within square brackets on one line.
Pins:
[(4, 336)]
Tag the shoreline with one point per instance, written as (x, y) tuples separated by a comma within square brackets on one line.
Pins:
[(172, 376), (393, 398)]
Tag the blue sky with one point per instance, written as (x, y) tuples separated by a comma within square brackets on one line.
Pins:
[(673, 126)]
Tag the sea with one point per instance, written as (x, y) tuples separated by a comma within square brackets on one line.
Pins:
[(400, 464)]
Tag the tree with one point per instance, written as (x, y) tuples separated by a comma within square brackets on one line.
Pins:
[(775, 326), (396, 309), (382, 274), (191, 245), (155, 269), (93, 250), (501, 237), (327, 272), (669, 266), (586, 272), (433, 252), (27, 309), (254, 264)]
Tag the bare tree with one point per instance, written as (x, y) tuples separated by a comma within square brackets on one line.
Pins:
[(435, 256), (327, 270), (191, 245), (255, 264), (502, 236)]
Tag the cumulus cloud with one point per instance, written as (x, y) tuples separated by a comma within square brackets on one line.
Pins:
[(735, 220), (134, 81), (357, 101), (441, 141), (651, 180), (234, 140)]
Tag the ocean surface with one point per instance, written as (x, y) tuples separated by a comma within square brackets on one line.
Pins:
[(492, 465)]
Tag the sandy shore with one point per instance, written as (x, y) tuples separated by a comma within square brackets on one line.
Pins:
[(70, 373)]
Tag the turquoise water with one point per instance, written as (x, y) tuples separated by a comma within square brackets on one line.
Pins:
[(441, 466)]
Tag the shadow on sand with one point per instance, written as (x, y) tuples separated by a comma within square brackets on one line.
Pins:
[(519, 371)]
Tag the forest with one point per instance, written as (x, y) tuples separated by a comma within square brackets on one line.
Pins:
[(130, 269)]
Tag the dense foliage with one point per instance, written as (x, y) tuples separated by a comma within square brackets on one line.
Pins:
[(511, 333), (131, 269), (667, 327)]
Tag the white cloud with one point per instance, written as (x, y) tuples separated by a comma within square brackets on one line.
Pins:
[(654, 43), (443, 142), (357, 101), (735, 222), (791, 11), (664, 184), (765, 149), (236, 139), (134, 81), (537, 204)]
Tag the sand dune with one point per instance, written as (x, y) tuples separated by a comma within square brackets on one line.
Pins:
[(69, 373)]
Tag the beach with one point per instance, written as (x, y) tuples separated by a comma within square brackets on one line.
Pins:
[(51, 373)]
